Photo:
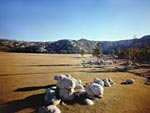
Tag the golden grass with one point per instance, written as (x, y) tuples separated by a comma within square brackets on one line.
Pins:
[(24, 77)]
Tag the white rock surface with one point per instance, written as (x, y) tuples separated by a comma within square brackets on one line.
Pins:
[(88, 102), (66, 94), (53, 87), (99, 81), (58, 77), (94, 90), (111, 81), (106, 82), (66, 83)]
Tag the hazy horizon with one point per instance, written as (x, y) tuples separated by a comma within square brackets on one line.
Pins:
[(52, 20)]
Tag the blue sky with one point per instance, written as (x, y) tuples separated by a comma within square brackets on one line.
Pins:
[(50, 20)]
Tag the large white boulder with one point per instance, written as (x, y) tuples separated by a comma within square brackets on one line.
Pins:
[(99, 81), (94, 89), (67, 86), (66, 83), (66, 94)]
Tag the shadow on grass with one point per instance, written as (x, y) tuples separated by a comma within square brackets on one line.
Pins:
[(24, 74), (33, 101), (145, 74), (124, 83), (33, 88), (105, 71), (77, 100), (37, 73), (52, 65)]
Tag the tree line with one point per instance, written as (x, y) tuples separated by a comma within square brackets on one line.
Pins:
[(134, 53)]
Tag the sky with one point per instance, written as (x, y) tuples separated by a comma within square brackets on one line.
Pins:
[(51, 20)]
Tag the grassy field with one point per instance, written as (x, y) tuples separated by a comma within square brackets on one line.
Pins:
[(24, 78)]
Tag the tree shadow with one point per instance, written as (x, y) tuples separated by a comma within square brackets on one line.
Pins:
[(33, 101), (24, 89), (24, 74)]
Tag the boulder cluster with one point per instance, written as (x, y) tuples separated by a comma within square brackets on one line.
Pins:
[(90, 63), (70, 89)]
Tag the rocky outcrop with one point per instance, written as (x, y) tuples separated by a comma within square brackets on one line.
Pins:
[(64, 46)]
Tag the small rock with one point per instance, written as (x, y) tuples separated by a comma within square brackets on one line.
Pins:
[(111, 81), (49, 109), (53, 109), (88, 102), (106, 82), (56, 101), (130, 81)]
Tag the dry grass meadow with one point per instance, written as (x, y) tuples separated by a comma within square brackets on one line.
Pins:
[(24, 78)]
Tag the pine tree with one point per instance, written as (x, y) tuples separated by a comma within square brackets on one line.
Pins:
[(82, 52), (97, 52)]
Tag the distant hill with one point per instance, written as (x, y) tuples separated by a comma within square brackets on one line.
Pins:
[(87, 45), (68, 46)]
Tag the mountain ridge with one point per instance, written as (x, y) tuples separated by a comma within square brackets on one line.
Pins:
[(68, 46)]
